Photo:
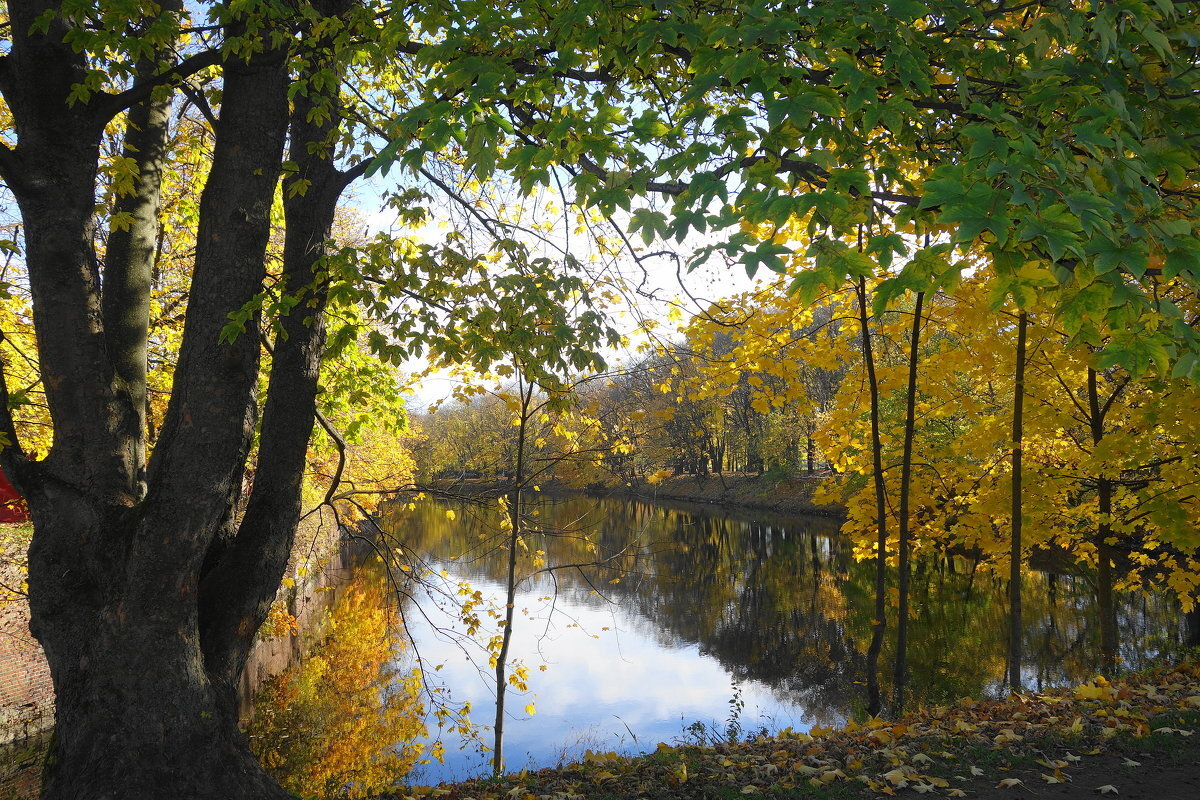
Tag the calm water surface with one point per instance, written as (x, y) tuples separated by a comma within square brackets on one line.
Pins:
[(701, 616)]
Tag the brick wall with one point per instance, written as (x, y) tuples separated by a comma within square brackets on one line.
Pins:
[(26, 695)]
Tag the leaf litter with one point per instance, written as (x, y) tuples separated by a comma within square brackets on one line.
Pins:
[(928, 752)]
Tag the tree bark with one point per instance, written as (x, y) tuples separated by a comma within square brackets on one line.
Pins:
[(1015, 624), (1104, 574), (129, 264), (910, 413), (243, 574), (879, 624), (52, 174), (515, 499), (114, 578)]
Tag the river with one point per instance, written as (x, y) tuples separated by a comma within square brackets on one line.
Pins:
[(699, 623)]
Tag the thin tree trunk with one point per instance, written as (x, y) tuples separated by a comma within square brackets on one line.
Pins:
[(1104, 573), (910, 415), (1016, 627), (1191, 627), (129, 265), (514, 537), (879, 624)]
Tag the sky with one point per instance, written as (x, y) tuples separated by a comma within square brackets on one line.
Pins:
[(655, 287)]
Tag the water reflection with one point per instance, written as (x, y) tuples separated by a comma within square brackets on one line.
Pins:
[(343, 722), (690, 601)]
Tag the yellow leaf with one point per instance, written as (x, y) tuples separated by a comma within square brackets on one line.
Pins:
[(1107, 788), (530, 709), (1009, 783), (449, 513), (1090, 692)]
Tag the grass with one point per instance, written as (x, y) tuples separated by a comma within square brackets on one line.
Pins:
[(1171, 747)]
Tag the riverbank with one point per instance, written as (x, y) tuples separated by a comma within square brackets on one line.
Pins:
[(1131, 739), (779, 495)]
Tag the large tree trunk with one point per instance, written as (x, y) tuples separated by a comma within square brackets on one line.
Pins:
[(136, 713), (139, 715), (114, 578)]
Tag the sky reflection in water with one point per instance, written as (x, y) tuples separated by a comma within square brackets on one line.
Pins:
[(622, 689)]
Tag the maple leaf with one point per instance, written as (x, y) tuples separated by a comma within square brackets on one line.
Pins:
[(1107, 788), (1129, 762), (1090, 692), (1010, 783), (956, 793)]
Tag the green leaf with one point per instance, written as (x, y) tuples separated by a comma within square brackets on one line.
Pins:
[(767, 254)]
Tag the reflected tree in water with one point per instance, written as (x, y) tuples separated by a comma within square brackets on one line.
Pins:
[(344, 722)]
